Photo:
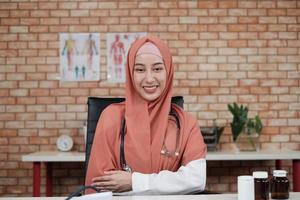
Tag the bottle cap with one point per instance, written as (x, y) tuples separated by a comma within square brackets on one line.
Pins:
[(245, 178), (279, 173), (260, 174)]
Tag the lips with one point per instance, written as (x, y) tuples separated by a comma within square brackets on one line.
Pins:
[(150, 89)]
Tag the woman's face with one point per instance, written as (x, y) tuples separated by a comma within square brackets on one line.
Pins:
[(149, 76)]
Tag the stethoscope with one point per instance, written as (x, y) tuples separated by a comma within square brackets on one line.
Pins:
[(164, 151)]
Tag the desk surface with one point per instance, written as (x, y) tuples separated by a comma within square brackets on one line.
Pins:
[(57, 156), (293, 196), (254, 155), (54, 156)]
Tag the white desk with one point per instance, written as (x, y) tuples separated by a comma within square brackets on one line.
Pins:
[(54, 156), (253, 155), (293, 196), (57, 156)]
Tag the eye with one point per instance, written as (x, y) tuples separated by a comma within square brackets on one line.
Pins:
[(158, 68), (139, 69)]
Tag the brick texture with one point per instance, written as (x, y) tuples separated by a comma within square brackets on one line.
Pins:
[(224, 51)]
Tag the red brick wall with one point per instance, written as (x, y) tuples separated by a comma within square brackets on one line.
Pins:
[(224, 51)]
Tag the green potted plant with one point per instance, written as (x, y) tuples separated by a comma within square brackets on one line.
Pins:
[(245, 131)]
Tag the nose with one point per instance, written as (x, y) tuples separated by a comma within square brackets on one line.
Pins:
[(149, 77)]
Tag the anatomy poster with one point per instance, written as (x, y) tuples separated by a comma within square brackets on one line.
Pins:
[(118, 45), (79, 56)]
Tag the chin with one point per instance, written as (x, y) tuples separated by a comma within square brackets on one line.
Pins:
[(150, 97)]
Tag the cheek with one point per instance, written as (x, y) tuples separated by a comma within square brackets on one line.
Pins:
[(163, 79), (136, 79)]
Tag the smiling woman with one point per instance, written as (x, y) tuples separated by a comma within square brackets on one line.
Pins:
[(165, 151), (149, 72)]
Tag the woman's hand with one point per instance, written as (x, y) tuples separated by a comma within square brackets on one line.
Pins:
[(115, 181)]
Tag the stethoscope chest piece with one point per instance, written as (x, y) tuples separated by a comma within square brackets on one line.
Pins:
[(127, 168)]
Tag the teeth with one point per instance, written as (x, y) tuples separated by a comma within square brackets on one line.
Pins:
[(150, 86)]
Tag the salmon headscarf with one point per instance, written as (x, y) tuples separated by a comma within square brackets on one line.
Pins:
[(152, 117), (148, 126)]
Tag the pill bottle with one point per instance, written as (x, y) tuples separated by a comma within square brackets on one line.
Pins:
[(245, 188), (261, 185), (280, 185)]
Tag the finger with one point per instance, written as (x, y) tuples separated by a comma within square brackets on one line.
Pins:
[(96, 179), (103, 184), (105, 190), (101, 178), (110, 188), (112, 172), (104, 187)]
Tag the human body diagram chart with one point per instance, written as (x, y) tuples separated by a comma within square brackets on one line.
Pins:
[(79, 56), (117, 45)]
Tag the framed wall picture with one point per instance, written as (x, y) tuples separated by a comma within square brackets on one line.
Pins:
[(117, 46), (79, 56)]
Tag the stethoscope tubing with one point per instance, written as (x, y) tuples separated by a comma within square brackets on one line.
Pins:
[(123, 163)]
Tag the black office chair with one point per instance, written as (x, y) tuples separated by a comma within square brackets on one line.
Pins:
[(95, 107)]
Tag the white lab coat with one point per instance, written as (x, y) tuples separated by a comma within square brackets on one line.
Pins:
[(188, 179)]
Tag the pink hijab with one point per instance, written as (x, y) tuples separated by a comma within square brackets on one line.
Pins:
[(154, 118), (147, 127)]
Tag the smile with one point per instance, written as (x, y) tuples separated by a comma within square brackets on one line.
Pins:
[(150, 89)]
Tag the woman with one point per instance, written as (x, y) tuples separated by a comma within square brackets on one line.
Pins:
[(165, 157)]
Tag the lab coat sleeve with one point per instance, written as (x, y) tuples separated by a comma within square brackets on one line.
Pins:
[(188, 179)]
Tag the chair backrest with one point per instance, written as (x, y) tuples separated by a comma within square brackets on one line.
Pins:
[(95, 107)]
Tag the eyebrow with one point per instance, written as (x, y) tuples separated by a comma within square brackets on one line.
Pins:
[(158, 63), (141, 64)]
